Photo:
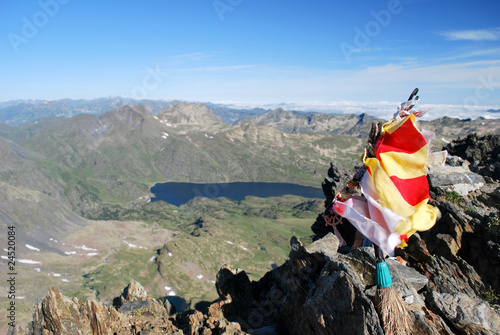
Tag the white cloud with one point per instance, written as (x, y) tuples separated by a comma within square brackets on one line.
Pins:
[(491, 34), (380, 109), (211, 69)]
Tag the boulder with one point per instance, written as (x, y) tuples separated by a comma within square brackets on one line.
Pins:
[(455, 179), (467, 315)]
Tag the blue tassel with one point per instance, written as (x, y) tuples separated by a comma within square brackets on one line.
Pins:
[(383, 275)]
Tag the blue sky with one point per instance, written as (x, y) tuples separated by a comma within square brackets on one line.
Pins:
[(328, 54)]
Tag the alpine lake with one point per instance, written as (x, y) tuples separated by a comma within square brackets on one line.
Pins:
[(177, 193)]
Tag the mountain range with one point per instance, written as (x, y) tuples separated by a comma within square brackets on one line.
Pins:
[(17, 112)]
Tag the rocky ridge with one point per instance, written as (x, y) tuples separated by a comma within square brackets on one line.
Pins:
[(448, 276)]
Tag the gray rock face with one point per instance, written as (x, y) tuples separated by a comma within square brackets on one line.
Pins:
[(457, 179), (318, 291), (483, 152), (324, 292), (466, 314)]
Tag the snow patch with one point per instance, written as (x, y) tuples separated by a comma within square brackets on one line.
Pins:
[(152, 259), (168, 288), (131, 245), (84, 247), (92, 254), (171, 293), (70, 252), (37, 269), (229, 242), (170, 254), (445, 141), (27, 261), (65, 280), (56, 274), (199, 276), (242, 247), (31, 247)]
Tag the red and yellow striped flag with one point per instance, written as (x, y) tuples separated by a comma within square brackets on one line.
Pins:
[(398, 173), (395, 188)]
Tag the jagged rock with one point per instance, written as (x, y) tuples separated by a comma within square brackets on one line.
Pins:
[(134, 291), (235, 291), (362, 261), (485, 255), (327, 246), (410, 275), (333, 293), (466, 314), (454, 160), (447, 276), (483, 152), (454, 223), (457, 179), (213, 323), (307, 284), (315, 277), (58, 314), (428, 323), (417, 249)]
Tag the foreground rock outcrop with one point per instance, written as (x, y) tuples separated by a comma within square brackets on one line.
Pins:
[(319, 291), (316, 291), (135, 313)]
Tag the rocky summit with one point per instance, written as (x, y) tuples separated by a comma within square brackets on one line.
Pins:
[(448, 277)]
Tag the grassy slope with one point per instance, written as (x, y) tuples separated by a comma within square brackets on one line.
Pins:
[(104, 255)]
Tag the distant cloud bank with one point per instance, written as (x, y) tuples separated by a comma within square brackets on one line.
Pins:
[(381, 109)]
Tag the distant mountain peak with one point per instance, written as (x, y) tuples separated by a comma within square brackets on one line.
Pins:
[(189, 113)]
